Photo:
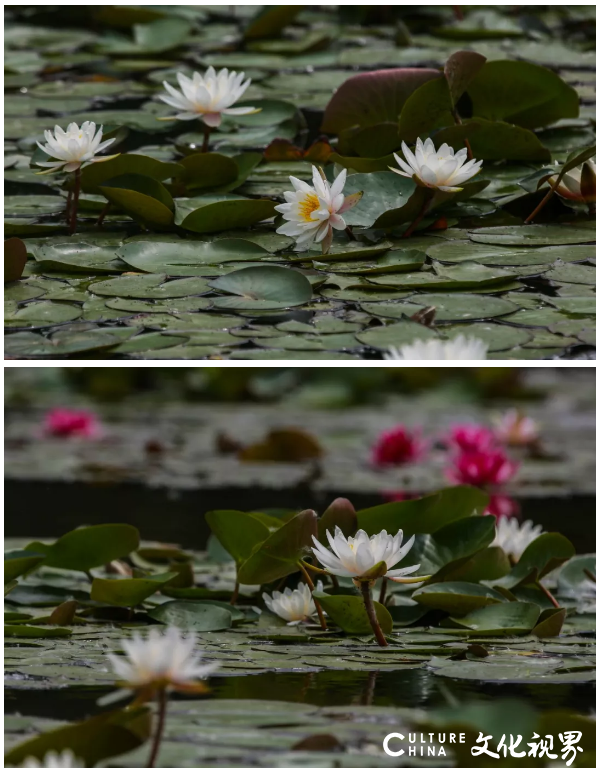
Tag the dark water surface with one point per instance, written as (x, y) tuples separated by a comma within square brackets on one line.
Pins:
[(415, 688)]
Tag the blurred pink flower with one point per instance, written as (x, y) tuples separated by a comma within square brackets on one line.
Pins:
[(470, 438), (482, 468), (398, 446), (515, 429), (501, 505), (63, 422)]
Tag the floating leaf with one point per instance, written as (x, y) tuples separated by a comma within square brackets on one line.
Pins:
[(141, 197), (543, 555), (128, 592), (267, 288), (18, 562), (280, 553), (214, 215), (192, 616), (15, 258), (348, 611), (103, 736), (370, 98), (87, 548)]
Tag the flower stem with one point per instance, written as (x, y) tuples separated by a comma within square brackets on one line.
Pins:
[(316, 569), (543, 202), (102, 215), (383, 591), (458, 120), (548, 595), (162, 709), (590, 575), (311, 585), (75, 203), (371, 614), (421, 215), (69, 203), (206, 138), (236, 591)]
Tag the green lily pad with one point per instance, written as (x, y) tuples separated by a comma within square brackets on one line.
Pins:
[(87, 548), (448, 307), (534, 234), (128, 592), (142, 198), (192, 616), (348, 611), (187, 258), (457, 598), (149, 287), (267, 288), (211, 214)]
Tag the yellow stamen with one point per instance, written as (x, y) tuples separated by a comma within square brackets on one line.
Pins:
[(306, 207)]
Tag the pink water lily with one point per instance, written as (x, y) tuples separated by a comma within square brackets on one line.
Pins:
[(482, 468), (64, 422), (397, 446)]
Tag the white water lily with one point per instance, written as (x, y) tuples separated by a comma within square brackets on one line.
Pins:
[(74, 148), (208, 97), (442, 169), (515, 429), (66, 759), (295, 606), (356, 555), (515, 537), (312, 212), (460, 348), (162, 661), (570, 184)]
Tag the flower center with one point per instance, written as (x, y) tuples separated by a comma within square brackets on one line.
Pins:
[(306, 207)]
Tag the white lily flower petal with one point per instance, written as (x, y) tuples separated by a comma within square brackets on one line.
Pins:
[(314, 210), (161, 658), (208, 97), (357, 554), (73, 147), (460, 348), (442, 169), (66, 759), (515, 537), (294, 606)]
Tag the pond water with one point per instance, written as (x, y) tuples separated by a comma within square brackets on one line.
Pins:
[(417, 688)]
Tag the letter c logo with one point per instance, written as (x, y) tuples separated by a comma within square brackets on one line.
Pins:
[(386, 747)]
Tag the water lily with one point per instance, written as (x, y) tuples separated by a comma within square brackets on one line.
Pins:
[(313, 212), (161, 662), (366, 559), (515, 537), (66, 759), (356, 556), (208, 97), (470, 437), (482, 468), (294, 606), (460, 348), (579, 184), (500, 505), (515, 429), (63, 422), (398, 446), (74, 148), (156, 665), (442, 169), (71, 150)]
